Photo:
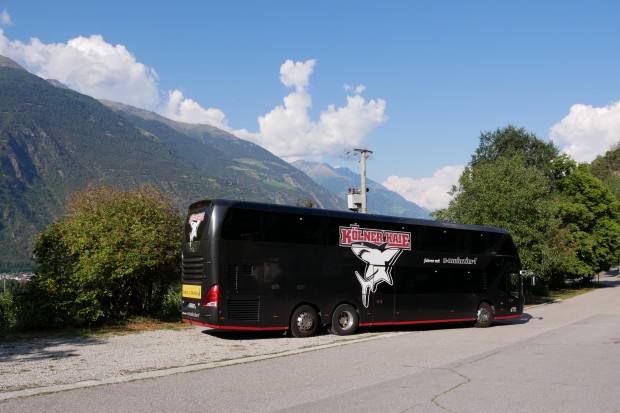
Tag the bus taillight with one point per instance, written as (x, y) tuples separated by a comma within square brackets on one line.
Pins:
[(211, 299)]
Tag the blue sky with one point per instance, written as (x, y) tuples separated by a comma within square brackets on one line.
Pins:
[(416, 82)]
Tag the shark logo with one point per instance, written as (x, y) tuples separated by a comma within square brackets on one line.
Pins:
[(194, 222), (379, 250)]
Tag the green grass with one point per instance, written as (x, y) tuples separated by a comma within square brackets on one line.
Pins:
[(278, 184), (133, 325), (561, 294), (252, 162)]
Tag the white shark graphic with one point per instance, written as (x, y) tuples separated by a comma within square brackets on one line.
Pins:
[(194, 233), (379, 261)]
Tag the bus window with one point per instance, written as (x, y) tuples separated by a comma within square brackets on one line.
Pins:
[(244, 224), (196, 223), (514, 281), (439, 240), (296, 228), (508, 247)]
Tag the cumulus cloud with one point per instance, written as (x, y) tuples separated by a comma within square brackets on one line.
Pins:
[(89, 65), (430, 193), (289, 132), (94, 67), (181, 109), (587, 131)]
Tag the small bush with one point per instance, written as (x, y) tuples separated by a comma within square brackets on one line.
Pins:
[(171, 305), (8, 317)]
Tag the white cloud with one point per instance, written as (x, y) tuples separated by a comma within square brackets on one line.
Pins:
[(430, 193), (587, 131), (357, 89), (94, 67), (289, 132), (90, 66), (187, 110), (5, 18)]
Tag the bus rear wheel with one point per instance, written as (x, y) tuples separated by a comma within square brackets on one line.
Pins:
[(485, 315), (304, 321), (344, 320)]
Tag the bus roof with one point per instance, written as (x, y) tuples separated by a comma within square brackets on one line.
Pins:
[(341, 214)]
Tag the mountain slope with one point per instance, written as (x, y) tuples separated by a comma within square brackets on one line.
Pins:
[(54, 140), (215, 152), (380, 199)]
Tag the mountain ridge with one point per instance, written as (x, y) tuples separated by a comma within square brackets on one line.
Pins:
[(381, 200)]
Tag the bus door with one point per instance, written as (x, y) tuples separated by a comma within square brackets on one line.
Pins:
[(514, 287), (510, 293)]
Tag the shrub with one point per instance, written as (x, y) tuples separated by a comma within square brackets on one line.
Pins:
[(8, 318), (114, 254)]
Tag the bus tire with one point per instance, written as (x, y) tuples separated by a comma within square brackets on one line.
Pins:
[(344, 320), (304, 321), (484, 316)]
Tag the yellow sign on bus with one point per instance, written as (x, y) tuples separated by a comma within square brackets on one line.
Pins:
[(191, 291)]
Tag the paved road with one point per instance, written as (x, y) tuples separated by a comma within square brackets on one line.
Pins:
[(563, 357)]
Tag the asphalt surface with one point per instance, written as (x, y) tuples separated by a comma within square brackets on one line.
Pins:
[(562, 357)]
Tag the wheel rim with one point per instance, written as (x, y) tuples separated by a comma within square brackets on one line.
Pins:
[(305, 322), (345, 320), (484, 315)]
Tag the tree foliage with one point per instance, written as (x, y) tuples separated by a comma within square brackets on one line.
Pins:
[(607, 169), (114, 254), (510, 141), (508, 194), (590, 224), (563, 219)]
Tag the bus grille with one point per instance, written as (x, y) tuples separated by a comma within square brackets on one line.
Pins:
[(244, 310), (192, 267), (233, 272), (247, 270)]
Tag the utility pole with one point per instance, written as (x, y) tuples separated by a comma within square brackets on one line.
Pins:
[(364, 153)]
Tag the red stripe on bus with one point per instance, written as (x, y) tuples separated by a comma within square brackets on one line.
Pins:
[(505, 317), (397, 323)]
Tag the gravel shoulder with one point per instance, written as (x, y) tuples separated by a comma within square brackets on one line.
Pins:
[(46, 365)]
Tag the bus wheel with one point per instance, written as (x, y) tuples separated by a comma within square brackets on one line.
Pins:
[(344, 320), (485, 315), (304, 322)]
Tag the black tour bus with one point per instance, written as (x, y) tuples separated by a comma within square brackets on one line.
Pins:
[(255, 266)]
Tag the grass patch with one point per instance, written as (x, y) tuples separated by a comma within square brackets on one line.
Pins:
[(278, 184), (561, 294), (252, 162), (130, 326), (138, 325)]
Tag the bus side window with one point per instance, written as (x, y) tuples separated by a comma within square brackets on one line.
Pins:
[(244, 224), (296, 229)]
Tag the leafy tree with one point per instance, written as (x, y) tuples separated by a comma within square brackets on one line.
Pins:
[(508, 194), (114, 254), (510, 141), (590, 224), (563, 219), (607, 169)]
